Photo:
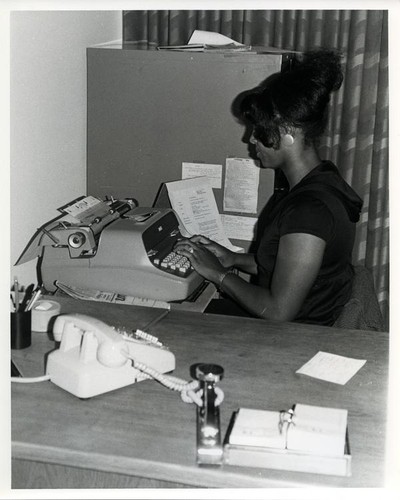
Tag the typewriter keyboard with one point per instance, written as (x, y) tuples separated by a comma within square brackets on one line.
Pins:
[(174, 263)]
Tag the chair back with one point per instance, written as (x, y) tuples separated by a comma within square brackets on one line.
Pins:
[(362, 311)]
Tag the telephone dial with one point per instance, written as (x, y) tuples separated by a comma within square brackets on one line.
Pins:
[(94, 358)]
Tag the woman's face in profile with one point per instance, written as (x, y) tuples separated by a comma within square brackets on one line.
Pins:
[(268, 156)]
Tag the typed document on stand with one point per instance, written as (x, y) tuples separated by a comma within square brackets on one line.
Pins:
[(194, 203)]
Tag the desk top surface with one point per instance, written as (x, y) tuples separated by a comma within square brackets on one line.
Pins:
[(146, 430)]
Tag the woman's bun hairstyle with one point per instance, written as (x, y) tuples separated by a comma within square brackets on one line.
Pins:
[(296, 98), (322, 67)]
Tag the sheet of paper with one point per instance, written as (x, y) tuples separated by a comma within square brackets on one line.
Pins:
[(213, 172), (331, 367), (86, 209), (194, 203), (239, 228), (257, 428), (211, 38), (317, 429), (242, 177), (111, 297)]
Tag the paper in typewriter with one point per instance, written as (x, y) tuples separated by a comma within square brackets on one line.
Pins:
[(86, 209), (194, 203), (314, 430)]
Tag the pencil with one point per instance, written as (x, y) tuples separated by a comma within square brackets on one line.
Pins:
[(16, 293)]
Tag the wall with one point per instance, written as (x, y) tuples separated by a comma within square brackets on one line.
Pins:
[(48, 116)]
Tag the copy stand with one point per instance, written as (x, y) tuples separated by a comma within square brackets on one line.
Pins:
[(279, 454)]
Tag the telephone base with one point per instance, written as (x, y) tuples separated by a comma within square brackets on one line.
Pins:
[(94, 358), (89, 379)]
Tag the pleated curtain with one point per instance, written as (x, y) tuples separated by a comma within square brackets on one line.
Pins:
[(357, 136)]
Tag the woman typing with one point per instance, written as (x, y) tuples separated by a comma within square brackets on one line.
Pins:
[(301, 269)]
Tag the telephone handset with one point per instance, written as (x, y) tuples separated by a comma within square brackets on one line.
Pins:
[(94, 358)]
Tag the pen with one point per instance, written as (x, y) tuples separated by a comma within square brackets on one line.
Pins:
[(156, 320), (12, 302), (31, 299), (16, 293), (34, 298)]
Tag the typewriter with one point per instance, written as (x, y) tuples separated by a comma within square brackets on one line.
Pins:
[(114, 246)]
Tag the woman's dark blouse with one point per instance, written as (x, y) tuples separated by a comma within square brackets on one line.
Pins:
[(323, 205)]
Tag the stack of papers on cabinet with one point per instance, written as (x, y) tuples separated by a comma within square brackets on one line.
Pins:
[(306, 439), (208, 41)]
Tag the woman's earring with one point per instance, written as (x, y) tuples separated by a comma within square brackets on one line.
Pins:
[(288, 140)]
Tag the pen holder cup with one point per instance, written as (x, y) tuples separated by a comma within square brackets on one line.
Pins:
[(21, 333)]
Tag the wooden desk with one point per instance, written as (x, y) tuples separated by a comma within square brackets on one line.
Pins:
[(145, 436)]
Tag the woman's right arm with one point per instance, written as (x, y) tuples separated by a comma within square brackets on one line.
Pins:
[(243, 261)]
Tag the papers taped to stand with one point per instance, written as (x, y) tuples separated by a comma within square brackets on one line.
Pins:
[(110, 297)]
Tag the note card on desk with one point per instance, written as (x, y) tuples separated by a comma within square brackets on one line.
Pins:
[(331, 367)]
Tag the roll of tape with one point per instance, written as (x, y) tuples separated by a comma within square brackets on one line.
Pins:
[(42, 314)]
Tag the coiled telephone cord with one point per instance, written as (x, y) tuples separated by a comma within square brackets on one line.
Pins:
[(187, 389)]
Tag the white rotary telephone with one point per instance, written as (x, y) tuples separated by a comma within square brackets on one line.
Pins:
[(94, 358)]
